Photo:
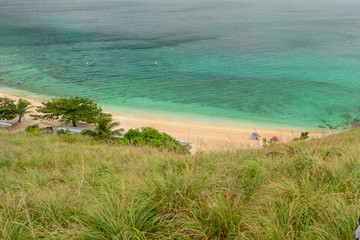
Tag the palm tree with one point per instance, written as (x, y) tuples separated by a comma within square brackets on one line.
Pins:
[(103, 129), (22, 108)]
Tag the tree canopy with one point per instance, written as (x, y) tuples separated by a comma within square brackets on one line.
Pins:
[(8, 109), (74, 109)]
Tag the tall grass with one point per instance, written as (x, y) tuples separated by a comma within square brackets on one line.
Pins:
[(71, 187)]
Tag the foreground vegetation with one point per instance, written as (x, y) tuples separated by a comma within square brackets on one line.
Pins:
[(73, 187)]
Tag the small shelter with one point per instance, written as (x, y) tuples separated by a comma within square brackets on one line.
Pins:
[(255, 136)]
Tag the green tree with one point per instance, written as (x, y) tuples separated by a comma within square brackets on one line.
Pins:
[(104, 126), (7, 109), (22, 108), (74, 109)]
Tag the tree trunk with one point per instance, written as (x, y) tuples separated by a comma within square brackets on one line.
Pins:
[(20, 116), (74, 123)]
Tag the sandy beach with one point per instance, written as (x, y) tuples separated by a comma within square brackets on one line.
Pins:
[(204, 137)]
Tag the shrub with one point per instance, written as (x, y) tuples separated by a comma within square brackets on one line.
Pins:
[(151, 137), (303, 136), (34, 129)]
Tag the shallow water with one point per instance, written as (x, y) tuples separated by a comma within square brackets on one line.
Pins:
[(293, 62)]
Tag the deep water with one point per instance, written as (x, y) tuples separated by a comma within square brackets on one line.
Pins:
[(292, 62)]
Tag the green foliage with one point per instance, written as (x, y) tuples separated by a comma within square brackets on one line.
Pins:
[(303, 136), (74, 109), (22, 108), (103, 130), (8, 109), (71, 187), (151, 137), (62, 132), (34, 129)]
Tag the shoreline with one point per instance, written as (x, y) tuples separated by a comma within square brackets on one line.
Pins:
[(203, 136), (203, 119)]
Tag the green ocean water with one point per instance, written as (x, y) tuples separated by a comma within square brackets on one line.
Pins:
[(293, 63)]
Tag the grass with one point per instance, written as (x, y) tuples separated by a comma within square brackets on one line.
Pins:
[(71, 187)]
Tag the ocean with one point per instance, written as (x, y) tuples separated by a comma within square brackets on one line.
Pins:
[(259, 62)]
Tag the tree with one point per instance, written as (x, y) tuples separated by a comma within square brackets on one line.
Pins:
[(7, 109), (22, 108), (104, 126), (74, 109)]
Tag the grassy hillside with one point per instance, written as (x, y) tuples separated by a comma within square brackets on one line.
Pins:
[(71, 187)]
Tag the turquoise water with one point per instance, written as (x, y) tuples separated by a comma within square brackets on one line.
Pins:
[(294, 62)]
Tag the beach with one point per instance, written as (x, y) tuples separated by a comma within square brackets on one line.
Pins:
[(211, 77), (204, 137)]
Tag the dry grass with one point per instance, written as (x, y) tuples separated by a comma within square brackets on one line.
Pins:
[(71, 187)]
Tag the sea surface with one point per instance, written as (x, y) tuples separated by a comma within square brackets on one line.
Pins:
[(287, 62)]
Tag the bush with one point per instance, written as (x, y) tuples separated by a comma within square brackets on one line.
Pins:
[(151, 137), (34, 129), (303, 136)]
